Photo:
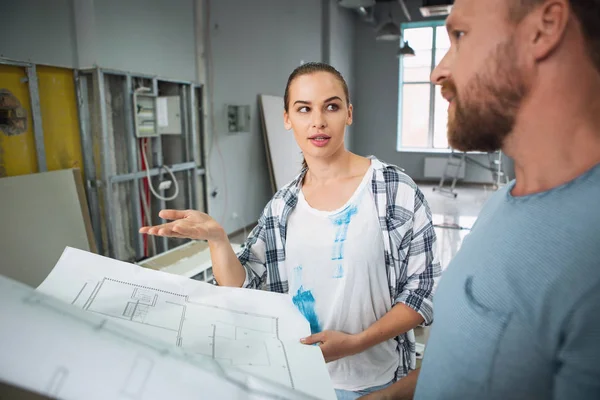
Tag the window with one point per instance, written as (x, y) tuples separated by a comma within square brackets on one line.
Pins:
[(422, 111)]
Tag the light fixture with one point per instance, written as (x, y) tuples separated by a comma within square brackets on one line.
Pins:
[(406, 50), (388, 32), (436, 8)]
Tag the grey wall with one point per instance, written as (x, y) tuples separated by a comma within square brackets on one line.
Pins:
[(155, 37), (376, 74), (146, 36), (340, 43), (38, 31), (255, 45)]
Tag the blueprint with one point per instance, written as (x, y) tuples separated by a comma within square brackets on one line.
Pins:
[(248, 334)]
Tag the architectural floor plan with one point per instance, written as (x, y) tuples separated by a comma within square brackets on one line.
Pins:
[(53, 349), (236, 331), (246, 340)]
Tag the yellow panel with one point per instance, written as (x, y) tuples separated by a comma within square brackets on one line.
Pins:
[(17, 152), (58, 102)]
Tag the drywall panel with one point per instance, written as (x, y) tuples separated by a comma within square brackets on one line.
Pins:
[(41, 214), (283, 154)]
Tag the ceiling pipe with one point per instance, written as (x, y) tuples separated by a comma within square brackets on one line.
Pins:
[(405, 9), (367, 14)]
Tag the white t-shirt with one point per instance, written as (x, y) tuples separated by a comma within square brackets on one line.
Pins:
[(338, 280)]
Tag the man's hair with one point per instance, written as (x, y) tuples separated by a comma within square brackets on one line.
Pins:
[(586, 11)]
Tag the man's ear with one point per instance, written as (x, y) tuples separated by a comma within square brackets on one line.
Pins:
[(549, 22), (350, 115), (286, 121)]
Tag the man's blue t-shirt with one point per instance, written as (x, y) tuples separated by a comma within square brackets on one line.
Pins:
[(517, 312)]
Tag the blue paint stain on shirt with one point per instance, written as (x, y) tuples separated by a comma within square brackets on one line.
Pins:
[(342, 221), (305, 302), (298, 275), (339, 272)]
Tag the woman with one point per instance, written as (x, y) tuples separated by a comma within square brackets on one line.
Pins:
[(350, 239)]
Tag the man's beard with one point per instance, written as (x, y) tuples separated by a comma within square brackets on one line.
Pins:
[(487, 112)]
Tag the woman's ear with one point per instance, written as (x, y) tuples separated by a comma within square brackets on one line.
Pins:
[(350, 114), (286, 121)]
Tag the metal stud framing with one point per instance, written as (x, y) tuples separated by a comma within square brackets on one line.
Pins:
[(36, 113), (109, 178)]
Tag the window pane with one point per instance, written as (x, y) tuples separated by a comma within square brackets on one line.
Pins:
[(440, 122), (417, 68), (415, 115), (419, 38)]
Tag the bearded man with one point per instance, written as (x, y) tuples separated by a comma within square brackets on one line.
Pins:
[(517, 312)]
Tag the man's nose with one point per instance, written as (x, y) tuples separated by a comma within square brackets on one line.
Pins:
[(441, 72)]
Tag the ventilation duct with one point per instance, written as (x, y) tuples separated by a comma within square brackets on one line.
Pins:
[(356, 3), (436, 8)]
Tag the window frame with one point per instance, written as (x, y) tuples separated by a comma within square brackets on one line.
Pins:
[(432, 87)]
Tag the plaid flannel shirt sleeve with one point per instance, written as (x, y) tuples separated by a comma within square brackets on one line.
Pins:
[(423, 266), (253, 255)]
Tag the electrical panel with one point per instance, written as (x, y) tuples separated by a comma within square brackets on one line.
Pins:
[(238, 118), (144, 106), (169, 115)]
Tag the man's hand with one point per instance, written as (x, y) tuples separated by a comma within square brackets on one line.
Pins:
[(404, 389), (335, 344), (378, 395)]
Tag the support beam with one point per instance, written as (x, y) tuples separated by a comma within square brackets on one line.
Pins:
[(106, 161), (405, 10), (153, 172), (133, 162), (36, 115), (89, 168)]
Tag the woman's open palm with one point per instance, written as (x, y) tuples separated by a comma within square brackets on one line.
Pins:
[(188, 224)]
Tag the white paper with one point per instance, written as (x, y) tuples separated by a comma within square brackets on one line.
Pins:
[(249, 330), (58, 350)]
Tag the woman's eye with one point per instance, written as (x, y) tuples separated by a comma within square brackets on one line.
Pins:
[(303, 109), (332, 107)]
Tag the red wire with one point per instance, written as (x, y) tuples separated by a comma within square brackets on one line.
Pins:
[(143, 168)]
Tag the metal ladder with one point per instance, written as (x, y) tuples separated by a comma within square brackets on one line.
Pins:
[(498, 176), (453, 166), (455, 162)]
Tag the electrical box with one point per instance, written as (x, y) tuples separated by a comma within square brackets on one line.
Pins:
[(169, 115), (238, 118), (144, 106)]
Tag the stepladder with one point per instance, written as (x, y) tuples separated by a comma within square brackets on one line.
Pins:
[(451, 173), (456, 161)]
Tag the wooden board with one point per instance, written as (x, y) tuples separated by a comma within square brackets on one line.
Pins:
[(40, 215), (283, 154)]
